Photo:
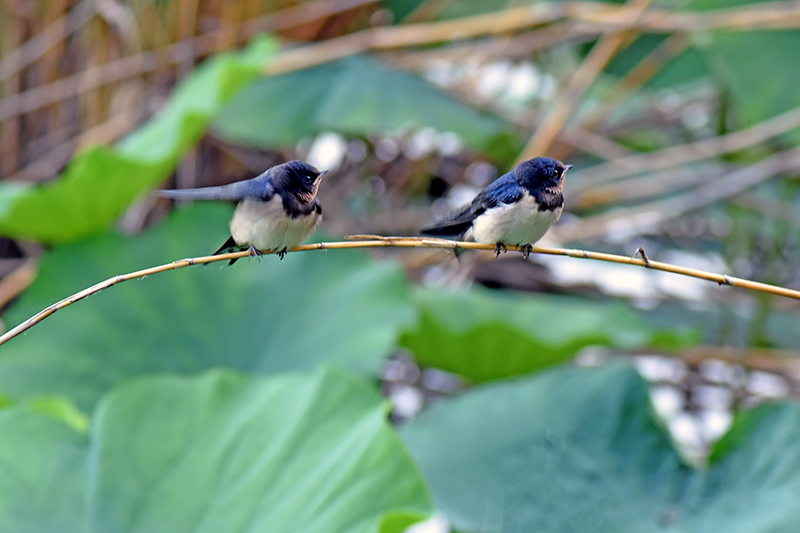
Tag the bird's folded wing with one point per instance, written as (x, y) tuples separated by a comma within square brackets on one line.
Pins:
[(503, 191), (260, 187)]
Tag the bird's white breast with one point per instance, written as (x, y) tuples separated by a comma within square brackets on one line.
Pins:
[(518, 223), (266, 225)]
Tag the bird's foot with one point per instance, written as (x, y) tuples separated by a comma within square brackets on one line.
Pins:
[(281, 254), (526, 250), (254, 252), (498, 247)]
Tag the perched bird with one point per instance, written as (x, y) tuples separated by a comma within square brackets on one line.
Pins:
[(277, 210), (517, 208)]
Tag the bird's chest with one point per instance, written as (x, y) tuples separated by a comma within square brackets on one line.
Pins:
[(517, 223), (266, 225)]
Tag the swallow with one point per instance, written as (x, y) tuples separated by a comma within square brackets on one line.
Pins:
[(276, 210), (516, 209)]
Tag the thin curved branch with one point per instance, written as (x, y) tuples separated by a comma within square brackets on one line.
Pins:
[(377, 241)]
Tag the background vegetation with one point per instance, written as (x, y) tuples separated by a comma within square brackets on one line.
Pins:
[(347, 391)]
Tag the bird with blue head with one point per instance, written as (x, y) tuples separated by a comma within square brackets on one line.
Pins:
[(276, 210), (516, 209)]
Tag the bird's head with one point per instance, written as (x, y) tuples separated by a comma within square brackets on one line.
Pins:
[(299, 178), (541, 173)]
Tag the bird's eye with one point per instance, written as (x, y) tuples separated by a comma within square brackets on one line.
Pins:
[(309, 179), (554, 172)]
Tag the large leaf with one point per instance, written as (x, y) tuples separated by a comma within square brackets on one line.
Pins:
[(356, 96), (42, 469), (100, 183), (220, 452), (576, 450), (267, 316), (484, 335)]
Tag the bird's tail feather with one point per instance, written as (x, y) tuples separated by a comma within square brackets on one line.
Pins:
[(447, 229), (228, 246)]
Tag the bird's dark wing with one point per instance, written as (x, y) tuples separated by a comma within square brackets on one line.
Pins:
[(504, 190), (258, 187)]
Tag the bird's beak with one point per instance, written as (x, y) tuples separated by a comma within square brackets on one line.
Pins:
[(567, 167), (321, 174)]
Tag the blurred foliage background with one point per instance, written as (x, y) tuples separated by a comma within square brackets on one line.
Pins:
[(348, 391)]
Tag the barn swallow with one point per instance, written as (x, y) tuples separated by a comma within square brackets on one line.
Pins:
[(277, 210), (516, 209)]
